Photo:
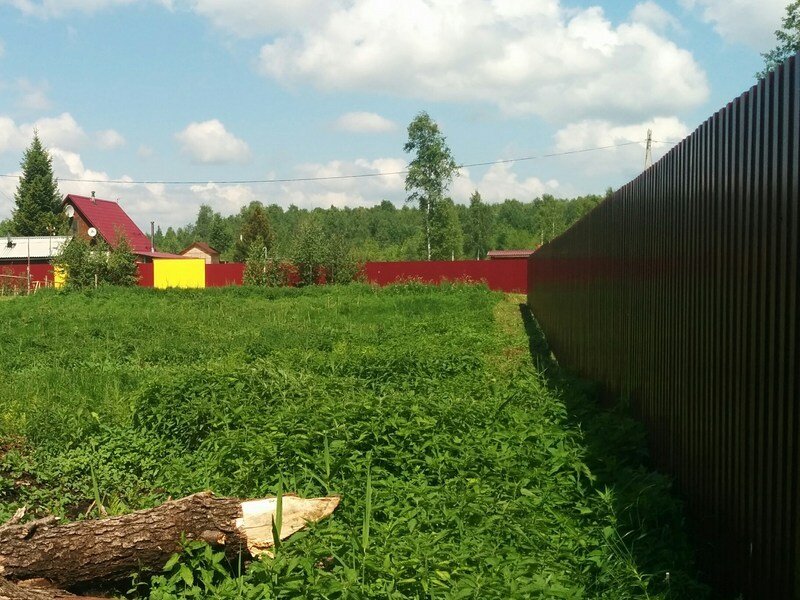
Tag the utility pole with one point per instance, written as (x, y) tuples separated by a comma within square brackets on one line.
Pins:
[(648, 151)]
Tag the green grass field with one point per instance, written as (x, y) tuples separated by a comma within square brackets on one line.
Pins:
[(465, 471)]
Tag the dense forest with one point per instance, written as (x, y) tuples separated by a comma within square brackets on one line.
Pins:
[(385, 232)]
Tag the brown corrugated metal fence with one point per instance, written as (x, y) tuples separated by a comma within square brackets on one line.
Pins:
[(681, 293)]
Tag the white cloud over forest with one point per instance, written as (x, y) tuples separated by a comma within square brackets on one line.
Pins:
[(208, 142), (749, 22)]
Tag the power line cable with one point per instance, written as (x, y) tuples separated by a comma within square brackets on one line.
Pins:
[(334, 177)]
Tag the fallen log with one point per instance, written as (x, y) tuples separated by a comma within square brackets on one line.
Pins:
[(104, 550), (10, 591)]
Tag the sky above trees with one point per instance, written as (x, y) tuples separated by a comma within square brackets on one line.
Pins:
[(211, 91)]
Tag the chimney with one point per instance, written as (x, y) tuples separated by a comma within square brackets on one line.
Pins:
[(93, 202), (152, 236)]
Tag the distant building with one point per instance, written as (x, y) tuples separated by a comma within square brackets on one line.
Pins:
[(505, 254), (201, 250), (40, 249), (93, 218)]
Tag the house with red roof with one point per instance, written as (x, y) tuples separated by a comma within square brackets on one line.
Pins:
[(201, 250), (105, 220)]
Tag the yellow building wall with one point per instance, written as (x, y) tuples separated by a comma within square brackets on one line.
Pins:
[(59, 277), (179, 273)]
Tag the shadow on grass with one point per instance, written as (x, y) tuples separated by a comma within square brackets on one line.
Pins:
[(651, 531)]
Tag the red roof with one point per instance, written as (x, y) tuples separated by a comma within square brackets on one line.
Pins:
[(200, 246), (509, 253), (110, 221)]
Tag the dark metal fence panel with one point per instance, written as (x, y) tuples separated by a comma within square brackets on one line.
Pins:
[(680, 292)]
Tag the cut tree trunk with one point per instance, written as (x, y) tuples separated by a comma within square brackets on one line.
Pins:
[(10, 591), (104, 550)]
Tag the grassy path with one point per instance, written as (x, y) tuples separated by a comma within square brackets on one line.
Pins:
[(487, 477)]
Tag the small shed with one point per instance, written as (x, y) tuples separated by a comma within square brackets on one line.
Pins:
[(506, 254), (33, 249), (201, 250)]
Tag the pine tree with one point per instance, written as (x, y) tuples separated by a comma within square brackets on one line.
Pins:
[(256, 226), (479, 226), (38, 201)]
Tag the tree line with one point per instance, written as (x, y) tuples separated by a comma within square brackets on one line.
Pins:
[(384, 231)]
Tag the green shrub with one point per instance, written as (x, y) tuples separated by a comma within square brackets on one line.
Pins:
[(90, 264), (264, 269)]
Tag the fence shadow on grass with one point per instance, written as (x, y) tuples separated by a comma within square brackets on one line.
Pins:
[(650, 525)]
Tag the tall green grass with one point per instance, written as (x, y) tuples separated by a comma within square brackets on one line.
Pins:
[(464, 471)]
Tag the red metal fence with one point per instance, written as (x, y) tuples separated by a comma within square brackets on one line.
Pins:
[(10, 275), (508, 275), (145, 274), (682, 292), (224, 274)]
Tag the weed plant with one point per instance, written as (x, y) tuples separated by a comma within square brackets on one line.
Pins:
[(465, 471)]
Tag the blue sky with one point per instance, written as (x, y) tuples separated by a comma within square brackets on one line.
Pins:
[(225, 90)]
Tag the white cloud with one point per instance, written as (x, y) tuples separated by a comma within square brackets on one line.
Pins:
[(11, 136), (364, 122), (500, 182), (109, 139), (651, 14), (496, 184), (747, 22), (339, 191), (62, 131), (225, 199), (69, 165), (531, 57), (8, 187), (593, 133), (210, 143), (596, 134)]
